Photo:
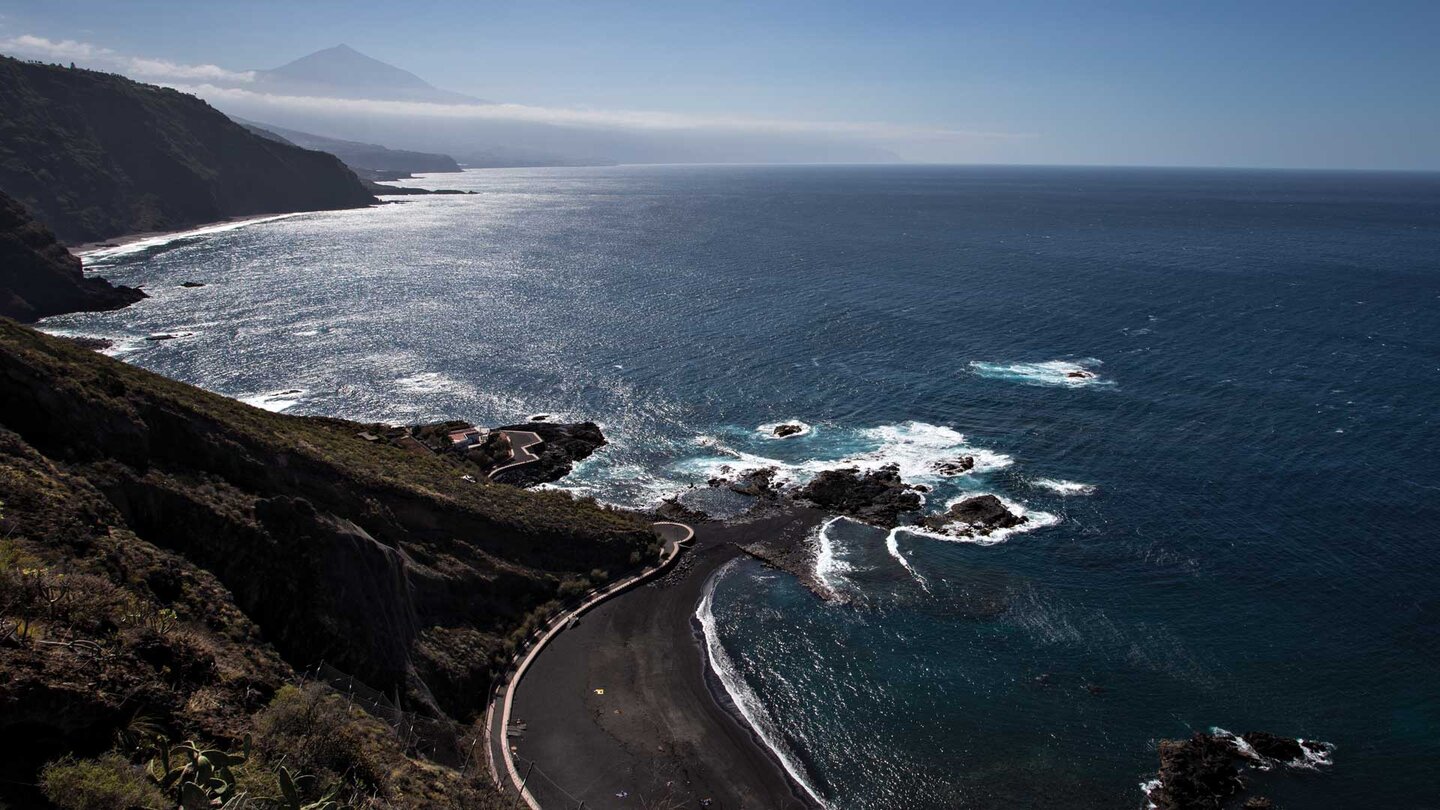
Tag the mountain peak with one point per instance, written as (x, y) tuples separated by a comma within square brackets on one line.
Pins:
[(343, 72)]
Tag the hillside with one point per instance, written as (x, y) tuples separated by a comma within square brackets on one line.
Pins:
[(39, 277), (95, 155), (177, 557), (370, 161)]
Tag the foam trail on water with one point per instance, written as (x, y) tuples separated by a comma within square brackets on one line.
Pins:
[(828, 569), (892, 544), (1063, 373), (741, 694)]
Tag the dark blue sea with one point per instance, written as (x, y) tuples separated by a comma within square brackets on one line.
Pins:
[(1232, 524)]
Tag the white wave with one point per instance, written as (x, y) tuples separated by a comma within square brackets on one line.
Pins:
[(768, 430), (1148, 788), (1065, 487), (276, 401), (1064, 373), (160, 240), (829, 569), (744, 698), (892, 544), (1313, 753), (913, 448)]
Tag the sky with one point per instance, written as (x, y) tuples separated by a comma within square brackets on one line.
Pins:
[(1266, 83)]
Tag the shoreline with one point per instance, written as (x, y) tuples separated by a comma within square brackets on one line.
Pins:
[(657, 726), (84, 249)]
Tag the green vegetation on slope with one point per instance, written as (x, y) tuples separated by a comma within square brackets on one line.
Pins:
[(94, 155), (172, 558)]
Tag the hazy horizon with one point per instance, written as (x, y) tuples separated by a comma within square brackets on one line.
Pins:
[(1284, 86)]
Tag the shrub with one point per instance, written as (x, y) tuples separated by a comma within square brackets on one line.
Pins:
[(311, 730), (107, 781)]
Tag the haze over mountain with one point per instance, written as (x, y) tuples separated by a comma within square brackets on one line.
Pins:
[(343, 72)]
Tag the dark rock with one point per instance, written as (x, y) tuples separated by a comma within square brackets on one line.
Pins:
[(981, 514), (92, 343), (878, 497), (781, 431), (1274, 747), (1196, 773), (1094, 689), (39, 277), (1203, 772), (757, 483), (162, 336), (920, 487), (957, 466), (1080, 375), (191, 284), (673, 509)]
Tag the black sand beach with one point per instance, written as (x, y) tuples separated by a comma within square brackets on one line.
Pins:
[(656, 736)]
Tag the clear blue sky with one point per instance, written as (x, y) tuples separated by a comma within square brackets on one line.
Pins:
[(1259, 83)]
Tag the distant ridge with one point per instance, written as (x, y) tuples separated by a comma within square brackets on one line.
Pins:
[(95, 155), (343, 72), (366, 159)]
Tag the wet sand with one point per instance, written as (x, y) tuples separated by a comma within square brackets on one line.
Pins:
[(657, 736)]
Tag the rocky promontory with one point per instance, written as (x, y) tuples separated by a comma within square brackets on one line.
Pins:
[(39, 277), (561, 447)]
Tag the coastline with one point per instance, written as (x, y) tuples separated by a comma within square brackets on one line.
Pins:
[(657, 728), (128, 240)]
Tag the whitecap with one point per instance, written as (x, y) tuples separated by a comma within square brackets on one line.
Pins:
[(741, 695), (1063, 373), (1065, 487), (431, 382)]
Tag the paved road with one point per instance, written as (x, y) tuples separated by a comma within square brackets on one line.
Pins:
[(520, 443)]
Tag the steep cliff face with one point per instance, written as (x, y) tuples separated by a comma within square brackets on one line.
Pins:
[(385, 564), (95, 155), (39, 277)]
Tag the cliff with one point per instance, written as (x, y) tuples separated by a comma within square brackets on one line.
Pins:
[(176, 556), (39, 277), (95, 155)]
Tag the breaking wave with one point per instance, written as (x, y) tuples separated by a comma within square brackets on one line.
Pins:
[(892, 545), (1065, 487)]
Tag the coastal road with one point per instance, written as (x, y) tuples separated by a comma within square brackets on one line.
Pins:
[(618, 711)]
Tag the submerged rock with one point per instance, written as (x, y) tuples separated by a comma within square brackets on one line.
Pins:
[(878, 497)]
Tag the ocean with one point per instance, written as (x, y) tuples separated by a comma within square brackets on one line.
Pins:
[(1231, 522)]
